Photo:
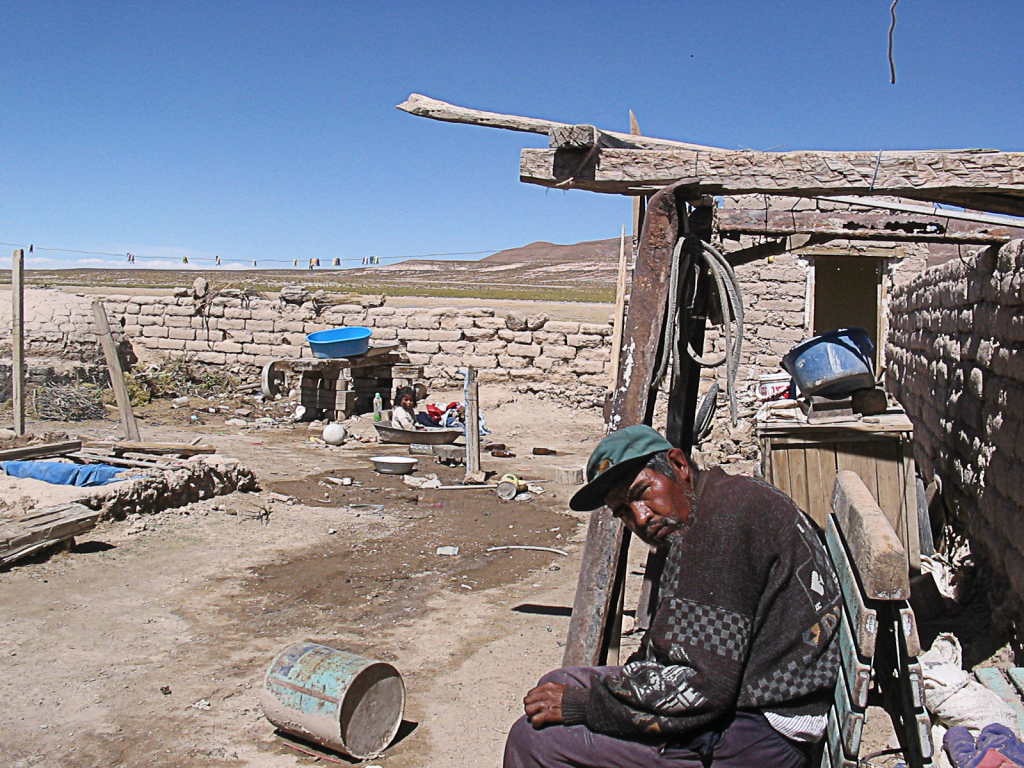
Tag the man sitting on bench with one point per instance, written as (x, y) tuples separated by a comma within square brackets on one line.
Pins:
[(739, 665)]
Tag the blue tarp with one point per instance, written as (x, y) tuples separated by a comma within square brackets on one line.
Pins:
[(58, 473)]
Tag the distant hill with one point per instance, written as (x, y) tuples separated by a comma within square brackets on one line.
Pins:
[(544, 271), (587, 251)]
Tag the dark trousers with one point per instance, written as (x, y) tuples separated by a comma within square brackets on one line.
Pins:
[(747, 742)]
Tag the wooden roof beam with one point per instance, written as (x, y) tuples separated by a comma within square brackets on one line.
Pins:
[(774, 248), (979, 179), (424, 106), (856, 225)]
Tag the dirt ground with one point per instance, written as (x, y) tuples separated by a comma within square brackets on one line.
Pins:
[(146, 643)]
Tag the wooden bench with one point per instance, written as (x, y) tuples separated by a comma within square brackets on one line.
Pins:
[(878, 638)]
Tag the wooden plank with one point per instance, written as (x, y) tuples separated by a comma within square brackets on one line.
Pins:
[(821, 476), (774, 248), (124, 404), (910, 506), (798, 484), (857, 673), (181, 449), (994, 181), (18, 340), (1016, 675), (620, 307), (995, 681), (888, 472), (857, 225), (877, 552), (46, 527), (850, 721), (863, 620), (780, 469), (607, 541), (915, 681), (472, 422), (857, 457), (40, 451), (118, 461), (908, 626), (834, 744)]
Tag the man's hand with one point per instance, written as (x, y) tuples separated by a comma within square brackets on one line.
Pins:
[(544, 705)]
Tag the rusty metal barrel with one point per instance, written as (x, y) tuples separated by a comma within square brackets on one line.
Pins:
[(334, 698)]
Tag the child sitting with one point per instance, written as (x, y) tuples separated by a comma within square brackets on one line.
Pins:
[(403, 415)]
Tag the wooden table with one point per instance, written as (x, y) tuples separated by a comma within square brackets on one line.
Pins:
[(801, 460)]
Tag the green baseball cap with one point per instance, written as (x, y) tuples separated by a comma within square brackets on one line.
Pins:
[(615, 456)]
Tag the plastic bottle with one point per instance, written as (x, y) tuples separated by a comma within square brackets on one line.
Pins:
[(378, 406)]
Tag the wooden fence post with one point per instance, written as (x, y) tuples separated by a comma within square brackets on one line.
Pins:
[(124, 403), (18, 340), (472, 422)]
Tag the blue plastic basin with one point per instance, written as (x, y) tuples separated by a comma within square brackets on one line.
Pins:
[(833, 364), (340, 342)]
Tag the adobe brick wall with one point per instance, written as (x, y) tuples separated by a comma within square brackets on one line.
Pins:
[(564, 360), (956, 357)]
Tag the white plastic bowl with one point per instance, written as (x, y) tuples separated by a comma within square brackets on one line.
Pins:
[(394, 465)]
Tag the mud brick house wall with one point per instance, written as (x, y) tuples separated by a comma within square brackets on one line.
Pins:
[(793, 297), (956, 356)]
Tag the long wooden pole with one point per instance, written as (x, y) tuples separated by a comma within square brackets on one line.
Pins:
[(124, 403), (620, 305), (18, 340)]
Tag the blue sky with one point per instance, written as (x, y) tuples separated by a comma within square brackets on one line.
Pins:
[(268, 130)]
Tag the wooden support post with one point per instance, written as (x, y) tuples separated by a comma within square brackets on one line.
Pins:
[(601, 572), (18, 340), (124, 404), (472, 422), (683, 395)]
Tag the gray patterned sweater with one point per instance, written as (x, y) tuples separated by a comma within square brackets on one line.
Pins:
[(747, 617)]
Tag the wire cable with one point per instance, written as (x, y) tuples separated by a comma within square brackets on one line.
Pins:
[(218, 260)]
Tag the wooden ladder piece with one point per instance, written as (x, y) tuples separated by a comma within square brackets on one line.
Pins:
[(996, 681), (849, 719), (863, 620), (857, 673)]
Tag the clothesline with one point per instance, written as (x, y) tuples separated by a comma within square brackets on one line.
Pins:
[(312, 263)]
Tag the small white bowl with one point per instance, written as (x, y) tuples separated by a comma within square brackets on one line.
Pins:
[(394, 465)]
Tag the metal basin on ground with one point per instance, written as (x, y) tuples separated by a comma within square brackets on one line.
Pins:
[(394, 465), (428, 436), (334, 698)]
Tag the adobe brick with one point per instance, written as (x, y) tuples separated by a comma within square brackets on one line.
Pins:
[(423, 347), (559, 351), (445, 335), (479, 334), (414, 334)]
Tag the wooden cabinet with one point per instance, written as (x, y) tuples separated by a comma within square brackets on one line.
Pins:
[(802, 459)]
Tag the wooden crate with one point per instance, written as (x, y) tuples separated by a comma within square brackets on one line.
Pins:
[(801, 460)]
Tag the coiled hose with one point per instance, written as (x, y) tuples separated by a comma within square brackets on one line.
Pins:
[(689, 253)]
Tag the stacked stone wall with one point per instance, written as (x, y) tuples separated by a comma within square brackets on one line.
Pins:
[(956, 357), (565, 360)]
